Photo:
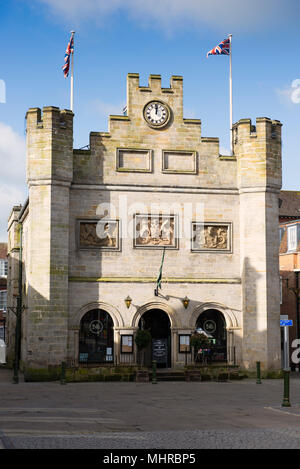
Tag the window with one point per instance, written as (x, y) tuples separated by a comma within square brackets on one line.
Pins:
[(3, 295), (281, 233), (292, 238), (3, 267), (96, 337)]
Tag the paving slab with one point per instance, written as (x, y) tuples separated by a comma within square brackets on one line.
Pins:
[(236, 414)]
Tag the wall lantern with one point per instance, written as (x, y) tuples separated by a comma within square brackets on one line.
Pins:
[(185, 302), (128, 301)]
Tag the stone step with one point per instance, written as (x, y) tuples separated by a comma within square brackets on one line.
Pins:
[(169, 376)]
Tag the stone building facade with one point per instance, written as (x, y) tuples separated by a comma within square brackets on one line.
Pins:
[(97, 222)]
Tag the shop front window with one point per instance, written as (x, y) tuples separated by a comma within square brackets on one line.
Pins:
[(96, 338)]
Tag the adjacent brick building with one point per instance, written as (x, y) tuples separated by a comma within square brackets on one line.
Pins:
[(289, 259), (92, 233)]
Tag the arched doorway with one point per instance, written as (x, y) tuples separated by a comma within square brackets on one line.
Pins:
[(212, 323), (96, 337), (157, 322)]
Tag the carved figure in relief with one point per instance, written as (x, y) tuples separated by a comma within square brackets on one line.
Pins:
[(109, 239), (89, 236), (167, 230), (144, 231), (211, 237), (200, 237), (222, 238), (154, 231)]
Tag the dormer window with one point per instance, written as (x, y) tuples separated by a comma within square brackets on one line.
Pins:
[(292, 238)]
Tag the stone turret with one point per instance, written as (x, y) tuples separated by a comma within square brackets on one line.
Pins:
[(49, 176), (258, 152)]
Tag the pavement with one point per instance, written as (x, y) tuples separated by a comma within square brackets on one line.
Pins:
[(166, 415)]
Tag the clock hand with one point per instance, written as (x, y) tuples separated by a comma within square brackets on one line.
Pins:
[(156, 108)]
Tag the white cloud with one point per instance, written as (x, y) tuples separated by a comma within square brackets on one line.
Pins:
[(230, 16), (12, 154), (290, 95), (12, 174)]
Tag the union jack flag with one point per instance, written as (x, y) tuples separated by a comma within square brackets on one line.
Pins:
[(69, 51), (222, 48)]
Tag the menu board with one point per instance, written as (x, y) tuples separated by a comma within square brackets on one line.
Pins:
[(160, 350)]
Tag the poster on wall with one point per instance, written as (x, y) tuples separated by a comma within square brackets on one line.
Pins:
[(184, 343), (126, 343)]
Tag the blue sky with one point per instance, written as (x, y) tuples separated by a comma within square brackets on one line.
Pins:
[(169, 37)]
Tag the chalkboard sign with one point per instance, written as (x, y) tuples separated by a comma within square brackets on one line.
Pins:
[(160, 350)]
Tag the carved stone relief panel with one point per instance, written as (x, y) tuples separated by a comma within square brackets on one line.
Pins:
[(155, 231), (212, 237), (98, 234)]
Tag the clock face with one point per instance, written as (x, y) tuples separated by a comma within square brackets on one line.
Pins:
[(156, 114)]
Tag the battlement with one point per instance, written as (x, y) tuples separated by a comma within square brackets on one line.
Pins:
[(154, 84), (265, 128), (51, 118), (49, 144), (138, 96), (258, 152)]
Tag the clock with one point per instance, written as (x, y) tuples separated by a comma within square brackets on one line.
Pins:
[(157, 114)]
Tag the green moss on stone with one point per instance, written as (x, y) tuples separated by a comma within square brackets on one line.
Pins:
[(52, 373)]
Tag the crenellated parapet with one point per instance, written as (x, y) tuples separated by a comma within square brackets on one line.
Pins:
[(51, 118), (265, 128), (154, 88), (258, 152), (49, 144), (138, 96)]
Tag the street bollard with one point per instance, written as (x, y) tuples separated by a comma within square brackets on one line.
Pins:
[(15, 375), (63, 373), (258, 377), (154, 372), (286, 391)]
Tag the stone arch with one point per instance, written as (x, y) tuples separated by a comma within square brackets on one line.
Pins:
[(174, 320), (229, 316), (114, 313)]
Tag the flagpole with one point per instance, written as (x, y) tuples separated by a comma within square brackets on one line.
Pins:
[(72, 76), (230, 95), (158, 280)]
